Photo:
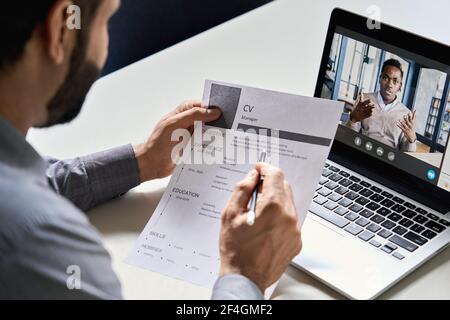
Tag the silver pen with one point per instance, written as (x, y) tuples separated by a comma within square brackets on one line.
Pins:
[(251, 214)]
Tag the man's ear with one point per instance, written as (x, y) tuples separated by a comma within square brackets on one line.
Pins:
[(57, 34)]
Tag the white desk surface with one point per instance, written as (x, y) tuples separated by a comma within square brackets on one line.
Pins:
[(277, 47)]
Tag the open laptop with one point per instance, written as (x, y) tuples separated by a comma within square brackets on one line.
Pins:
[(383, 201)]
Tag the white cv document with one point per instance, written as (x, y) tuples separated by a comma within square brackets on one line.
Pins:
[(181, 239)]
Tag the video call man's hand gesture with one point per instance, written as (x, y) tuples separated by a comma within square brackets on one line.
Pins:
[(408, 126), (362, 110)]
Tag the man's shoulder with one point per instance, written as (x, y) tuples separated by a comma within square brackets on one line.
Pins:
[(28, 205), (41, 235)]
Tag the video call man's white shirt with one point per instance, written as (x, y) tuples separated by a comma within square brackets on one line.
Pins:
[(383, 106)]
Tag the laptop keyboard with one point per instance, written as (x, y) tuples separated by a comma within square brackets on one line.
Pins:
[(374, 215)]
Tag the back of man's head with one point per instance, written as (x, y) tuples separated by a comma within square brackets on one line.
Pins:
[(50, 57), (19, 19), (17, 23)]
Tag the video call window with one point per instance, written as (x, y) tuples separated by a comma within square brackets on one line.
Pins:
[(355, 67)]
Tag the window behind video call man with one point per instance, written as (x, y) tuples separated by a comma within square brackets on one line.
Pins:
[(382, 116), (46, 71)]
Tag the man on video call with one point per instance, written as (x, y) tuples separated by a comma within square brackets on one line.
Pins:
[(382, 116)]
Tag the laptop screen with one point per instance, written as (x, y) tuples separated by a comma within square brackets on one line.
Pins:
[(397, 104)]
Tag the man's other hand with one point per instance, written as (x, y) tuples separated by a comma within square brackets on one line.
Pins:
[(263, 251), (408, 126)]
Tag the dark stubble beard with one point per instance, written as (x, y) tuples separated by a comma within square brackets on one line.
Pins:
[(66, 105)]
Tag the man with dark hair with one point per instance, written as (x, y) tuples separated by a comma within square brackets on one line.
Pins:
[(46, 70), (381, 116)]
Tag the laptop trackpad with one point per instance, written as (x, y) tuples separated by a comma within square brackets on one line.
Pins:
[(349, 265)]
